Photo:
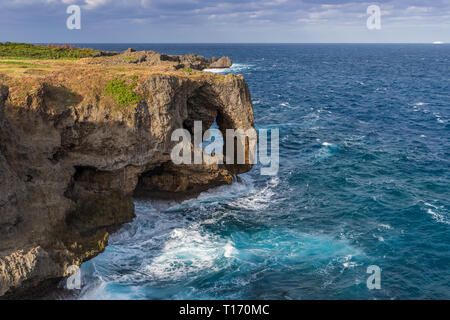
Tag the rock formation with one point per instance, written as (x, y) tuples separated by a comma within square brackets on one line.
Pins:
[(223, 62), (71, 158), (152, 58)]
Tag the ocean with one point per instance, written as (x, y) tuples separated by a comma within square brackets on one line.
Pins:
[(364, 180)]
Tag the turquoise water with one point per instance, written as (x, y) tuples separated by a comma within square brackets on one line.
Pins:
[(364, 180)]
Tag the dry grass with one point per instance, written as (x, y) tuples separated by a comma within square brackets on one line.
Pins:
[(72, 79)]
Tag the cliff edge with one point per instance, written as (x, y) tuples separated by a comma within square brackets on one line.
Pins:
[(78, 139)]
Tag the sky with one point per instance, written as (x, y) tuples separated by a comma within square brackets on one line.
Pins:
[(229, 21)]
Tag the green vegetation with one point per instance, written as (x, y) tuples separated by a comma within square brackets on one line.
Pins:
[(29, 51), (123, 93), (188, 70), (22, 64)]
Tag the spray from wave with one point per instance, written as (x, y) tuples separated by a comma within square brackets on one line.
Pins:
[(235, 68)]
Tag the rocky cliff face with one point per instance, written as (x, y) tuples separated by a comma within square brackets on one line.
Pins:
[(70, 164), (152, 58)]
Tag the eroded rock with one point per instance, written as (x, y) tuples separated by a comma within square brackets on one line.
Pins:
[(70, 165), (152, 58), (223, 62)]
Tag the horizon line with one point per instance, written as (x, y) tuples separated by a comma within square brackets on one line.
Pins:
[(140, 43)]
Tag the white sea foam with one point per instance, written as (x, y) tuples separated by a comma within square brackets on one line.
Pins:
[(235, 67), (229, 250), (437, 216), (348, 263), (187, 252), (437, 213), (430, 205), (326, 151), (214, 70), (340, 260), (260, 199), (96, 291), (385, 226), (224, 193)]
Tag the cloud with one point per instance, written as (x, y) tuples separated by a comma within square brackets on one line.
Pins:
[(93, 4), (274, 10), (115, 15)]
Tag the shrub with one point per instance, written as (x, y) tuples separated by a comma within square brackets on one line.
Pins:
[(124, 94), (30, 51)]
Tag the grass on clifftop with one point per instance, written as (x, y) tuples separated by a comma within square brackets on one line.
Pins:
[(123, 93), (188, 70), (30, 51), (22, 64)]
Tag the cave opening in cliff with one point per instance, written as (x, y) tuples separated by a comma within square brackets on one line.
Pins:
[(216, 138), (172, 181)]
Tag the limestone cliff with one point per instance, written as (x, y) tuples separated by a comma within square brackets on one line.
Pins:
[(71, 157), (152, 58)]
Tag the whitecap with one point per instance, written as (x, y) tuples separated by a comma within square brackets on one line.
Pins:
[(436, 212), (239, 188), (385, 226), (96, 291), (430, 205), (379, 238), (214, 70), (235, 67), (258, 200), (188, 252), (326, 151), (229, 250), (437, 216)]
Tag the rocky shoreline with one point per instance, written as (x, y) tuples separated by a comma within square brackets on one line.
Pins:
[(73, 158), (153, 58)]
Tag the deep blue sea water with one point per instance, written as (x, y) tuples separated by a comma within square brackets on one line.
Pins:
[(364, 180)]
